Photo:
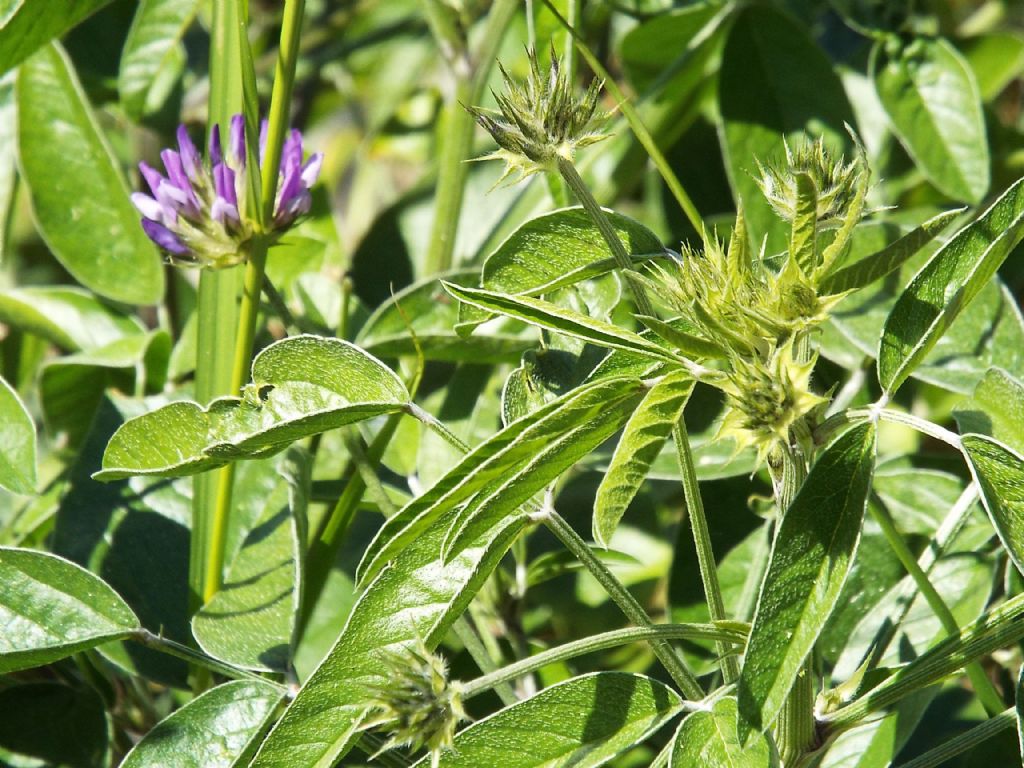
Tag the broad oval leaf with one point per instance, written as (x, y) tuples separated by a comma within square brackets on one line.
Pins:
[(17, 443), (28, 25), (707, 738), (995, 409), (416, 599), (149, 49), (251, 621), (950, 280), (27, 726), (999, 472), (583, 722), (215, 730), (51, 608), (490, 463), (644, 435), (301, 386), (71, 318), (810, 560), (77, 192), (934, 106)]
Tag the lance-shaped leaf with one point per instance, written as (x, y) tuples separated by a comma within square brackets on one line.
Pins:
[(251, 621), (25, 26), (416, 599), (17, 443), (582, 722), (215, 730), (999, 473), (803, 236), (810, 560), (597, 419), (152, 48), (77, 191), (71, 318), (641, 441), (934, 106), (947, 284), (995, 409), (889, 259), (708, 739), (301, 386), (555, 318), (491, 462), (51, 608)]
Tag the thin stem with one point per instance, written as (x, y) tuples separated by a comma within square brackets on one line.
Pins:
[(600, 219), (796, 726), (171, 648), (983, 687), (725, 634), (483, 658), (446, 434), (702, 543), (831, 425), (964, 742), (628, 604)]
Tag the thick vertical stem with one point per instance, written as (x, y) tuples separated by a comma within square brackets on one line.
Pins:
[(702, 543)]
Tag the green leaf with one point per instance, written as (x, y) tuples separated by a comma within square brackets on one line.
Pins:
[(17, 443), (999, 473), (775, 84), (8, 155), (995, 409), (676, 332), (996, 59), (948, 282), (597, 416), (934, 107), (582, 722), (27, 25), (707, 738), (889, 259), (29, 714), (810, 560), (416, 599), (215, 730), (547, 315), (150, 48), (51, 608), (644, 435), (804, 235), (69, 317), (251, 621), (489, 463), (78, 195), (425, 310), (301, 386)]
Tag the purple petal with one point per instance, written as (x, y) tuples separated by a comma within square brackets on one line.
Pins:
[(163, 237), (224, 183), (236, 141), (297, 206), (311, 170), (263, 139), (291, 187), (215, 152), (189, 154), (176, 172), (291, 153), (151, 209), (222, 210), (152, 177)]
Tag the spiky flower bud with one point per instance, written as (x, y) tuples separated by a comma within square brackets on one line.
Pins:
[(417, 705), (540, 120), (836, 183)]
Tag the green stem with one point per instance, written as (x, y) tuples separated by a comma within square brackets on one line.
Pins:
[(484, 658), (964, 742), (702, 543), (628, 604), (171, 648), (834, 423), (983, 687), (604, 226), (724, 633)]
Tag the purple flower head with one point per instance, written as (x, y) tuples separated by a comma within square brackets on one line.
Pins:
[(200, 213)]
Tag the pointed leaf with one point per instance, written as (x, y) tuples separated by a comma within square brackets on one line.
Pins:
[(149, 49), (71, 318), (79, 197), (995, 409), (810, 560), (416, 599), (490, 463), (214, 730), (17, 443), (642, 439), (547, 315), (804, 235), (251, 621), (301, 386), (999, 473), (51, 608), (583, 722), (946, 284), (934, 106), (686, 343), (707, 738), (25, 26)]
